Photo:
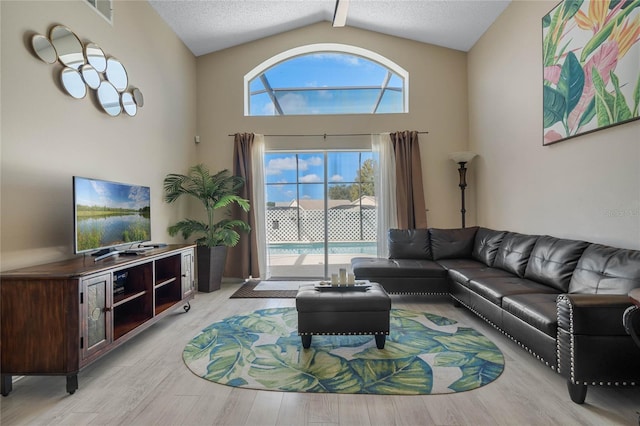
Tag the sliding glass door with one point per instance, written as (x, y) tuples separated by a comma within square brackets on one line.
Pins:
[(320, 211)]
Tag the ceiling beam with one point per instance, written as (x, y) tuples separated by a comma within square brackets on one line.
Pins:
[(340, 13)]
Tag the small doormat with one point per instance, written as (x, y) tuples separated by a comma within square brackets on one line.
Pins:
[(269, 289), (424, 354)]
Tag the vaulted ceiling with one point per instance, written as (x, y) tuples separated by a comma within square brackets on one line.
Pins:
[(207, 26)]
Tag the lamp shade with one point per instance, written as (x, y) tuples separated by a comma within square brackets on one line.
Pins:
[(462, 156)]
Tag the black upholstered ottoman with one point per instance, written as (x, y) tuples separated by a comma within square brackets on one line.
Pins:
[(340, 311)]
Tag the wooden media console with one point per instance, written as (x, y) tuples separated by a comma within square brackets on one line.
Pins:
[(59, 317)]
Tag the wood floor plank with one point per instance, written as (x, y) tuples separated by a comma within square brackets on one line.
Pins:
[(352, 410), (410, 410), (265, 408), (294, 409), (145, 382)]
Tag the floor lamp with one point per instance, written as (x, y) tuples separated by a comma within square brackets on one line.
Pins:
[(462, 158)]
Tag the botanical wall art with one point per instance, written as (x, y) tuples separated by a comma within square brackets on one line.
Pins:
[(591, 59)]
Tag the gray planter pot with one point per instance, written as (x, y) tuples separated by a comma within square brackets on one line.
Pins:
[(211, 261)]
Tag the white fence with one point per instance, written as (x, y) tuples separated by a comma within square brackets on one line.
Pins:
[(291, 224)]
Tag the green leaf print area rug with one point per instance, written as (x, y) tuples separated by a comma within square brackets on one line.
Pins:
[(423, 354)]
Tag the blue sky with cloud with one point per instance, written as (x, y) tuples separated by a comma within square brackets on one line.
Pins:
[(319, 70), (288, 173)]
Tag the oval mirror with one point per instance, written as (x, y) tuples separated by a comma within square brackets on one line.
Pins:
[(68, 46), (128, 104), (109, 99), (95, 56), (73, 83), (137, 96), (90, 76), (44, 49), (117, 75)]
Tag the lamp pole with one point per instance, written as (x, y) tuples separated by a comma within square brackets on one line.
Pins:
[(462, 170), (462, 158)]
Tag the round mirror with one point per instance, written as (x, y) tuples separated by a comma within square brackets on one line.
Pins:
[(117, 75), (128, 104), (109, 98), (137, 96), (72, 83), (95, 57), (44, 49), (90, 76), (68, 46)]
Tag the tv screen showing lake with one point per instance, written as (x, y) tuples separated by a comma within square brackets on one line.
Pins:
[(104, 231), (108, 214)]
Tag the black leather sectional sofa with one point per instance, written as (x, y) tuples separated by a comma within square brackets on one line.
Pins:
[(562, 300)]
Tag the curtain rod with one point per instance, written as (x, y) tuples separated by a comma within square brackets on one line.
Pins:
[(325, 135)]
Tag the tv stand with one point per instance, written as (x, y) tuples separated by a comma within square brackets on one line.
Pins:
[(103, 254), (57, 318)]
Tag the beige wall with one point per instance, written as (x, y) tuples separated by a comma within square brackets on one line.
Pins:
[(584, 188), (47, 136), (438, 104)]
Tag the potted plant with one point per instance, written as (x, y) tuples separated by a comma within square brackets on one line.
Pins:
[(215, 192)]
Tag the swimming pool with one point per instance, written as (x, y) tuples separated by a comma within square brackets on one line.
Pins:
[(342, 247)]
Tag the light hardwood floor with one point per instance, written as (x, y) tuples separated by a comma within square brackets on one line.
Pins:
[(144, 382)]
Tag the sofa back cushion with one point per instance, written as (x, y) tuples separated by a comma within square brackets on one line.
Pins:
[(486, 245), (553, 260), (606, 270), (409, 244), (452, 243), (514, 252)]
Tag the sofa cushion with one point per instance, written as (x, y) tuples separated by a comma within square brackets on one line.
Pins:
[(606, 270), (409, 244), (370, 268), (486, 245), (537, 309), (495, 288), (553, 260), (464, 275), (452, 243), (460, 264), (514, 252)]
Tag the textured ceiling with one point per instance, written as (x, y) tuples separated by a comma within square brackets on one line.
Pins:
[(206, 26)]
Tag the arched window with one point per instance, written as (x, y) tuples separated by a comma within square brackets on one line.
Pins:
[(326, 79)]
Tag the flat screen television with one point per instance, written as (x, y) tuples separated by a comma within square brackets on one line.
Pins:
[(108, 214)]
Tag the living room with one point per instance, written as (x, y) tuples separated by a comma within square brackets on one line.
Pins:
[(487, 100)]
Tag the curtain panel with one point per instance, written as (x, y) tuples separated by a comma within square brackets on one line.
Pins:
[(242, 260), (385, 184), (409, 189)]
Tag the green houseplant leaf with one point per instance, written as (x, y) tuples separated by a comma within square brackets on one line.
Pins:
[(215, 192)]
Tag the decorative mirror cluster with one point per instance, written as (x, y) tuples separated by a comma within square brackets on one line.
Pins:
[(88, 67)]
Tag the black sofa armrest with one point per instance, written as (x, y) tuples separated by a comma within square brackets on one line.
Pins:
[(592, 314), (593, 346)]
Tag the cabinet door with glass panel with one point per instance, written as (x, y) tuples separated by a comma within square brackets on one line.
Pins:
[(95, 313), (188, 282)]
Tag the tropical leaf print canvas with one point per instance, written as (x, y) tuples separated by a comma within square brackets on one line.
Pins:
[(591, 60)]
